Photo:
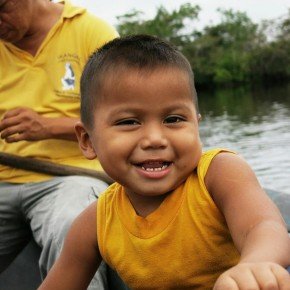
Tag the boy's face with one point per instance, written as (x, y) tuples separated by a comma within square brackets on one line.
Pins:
[(145, 131)]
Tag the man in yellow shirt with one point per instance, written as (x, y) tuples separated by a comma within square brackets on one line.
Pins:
[(43, 48)]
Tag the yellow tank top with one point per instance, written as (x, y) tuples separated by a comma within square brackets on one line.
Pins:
[(184, 244)]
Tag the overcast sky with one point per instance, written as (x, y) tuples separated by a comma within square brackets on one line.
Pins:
[(256, 9)]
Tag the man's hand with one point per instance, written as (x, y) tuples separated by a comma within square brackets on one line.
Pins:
[(23, 124), (254, 276)]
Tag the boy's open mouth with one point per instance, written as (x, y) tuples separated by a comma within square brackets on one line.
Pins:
[(154, 165)]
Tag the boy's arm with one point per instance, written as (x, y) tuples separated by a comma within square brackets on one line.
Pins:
[(255, 223), (80, 256)]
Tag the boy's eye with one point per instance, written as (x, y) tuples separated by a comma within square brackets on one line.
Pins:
[(127, 122), (173, 119)]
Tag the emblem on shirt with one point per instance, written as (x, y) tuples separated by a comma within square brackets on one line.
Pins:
[(68, 80)]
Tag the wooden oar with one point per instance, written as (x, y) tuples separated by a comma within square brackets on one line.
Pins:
[(50, 168)]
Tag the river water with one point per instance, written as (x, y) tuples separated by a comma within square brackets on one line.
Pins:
[(256, 124)]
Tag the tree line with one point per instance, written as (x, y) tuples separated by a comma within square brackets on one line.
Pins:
[(234, 51)]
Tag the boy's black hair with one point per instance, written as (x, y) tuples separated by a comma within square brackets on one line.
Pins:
[(143, 52)]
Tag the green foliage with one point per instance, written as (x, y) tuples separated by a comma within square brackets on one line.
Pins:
[(169, 26), (221, 53), (271, 61), (284, 33), (234, 51)]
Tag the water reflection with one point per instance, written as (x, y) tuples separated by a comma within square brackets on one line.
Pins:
[(255, 123)]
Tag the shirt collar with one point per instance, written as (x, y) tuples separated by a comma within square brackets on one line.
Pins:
[(70, 11)]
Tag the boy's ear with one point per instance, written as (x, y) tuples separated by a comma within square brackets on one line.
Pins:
[(199, 117), (84, 140)]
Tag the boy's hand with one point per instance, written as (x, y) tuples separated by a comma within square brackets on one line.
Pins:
[(254, 276)]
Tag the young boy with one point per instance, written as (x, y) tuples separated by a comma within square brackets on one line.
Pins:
[(177, 218)]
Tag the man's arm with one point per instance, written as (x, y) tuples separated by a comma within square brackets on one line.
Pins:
[(255, 223), (79, 258), (26, 124)]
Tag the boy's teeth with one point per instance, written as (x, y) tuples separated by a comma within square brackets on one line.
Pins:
[(154, 169)]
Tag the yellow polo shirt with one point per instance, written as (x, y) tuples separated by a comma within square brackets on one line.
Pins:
[(49, 83)]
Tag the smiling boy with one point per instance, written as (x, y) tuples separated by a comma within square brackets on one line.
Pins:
[(177, 218)]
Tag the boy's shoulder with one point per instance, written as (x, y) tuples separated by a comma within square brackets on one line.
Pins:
[(207, 157), (111, 191), (211, 153)]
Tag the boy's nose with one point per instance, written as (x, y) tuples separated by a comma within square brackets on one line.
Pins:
[(153, 138)]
